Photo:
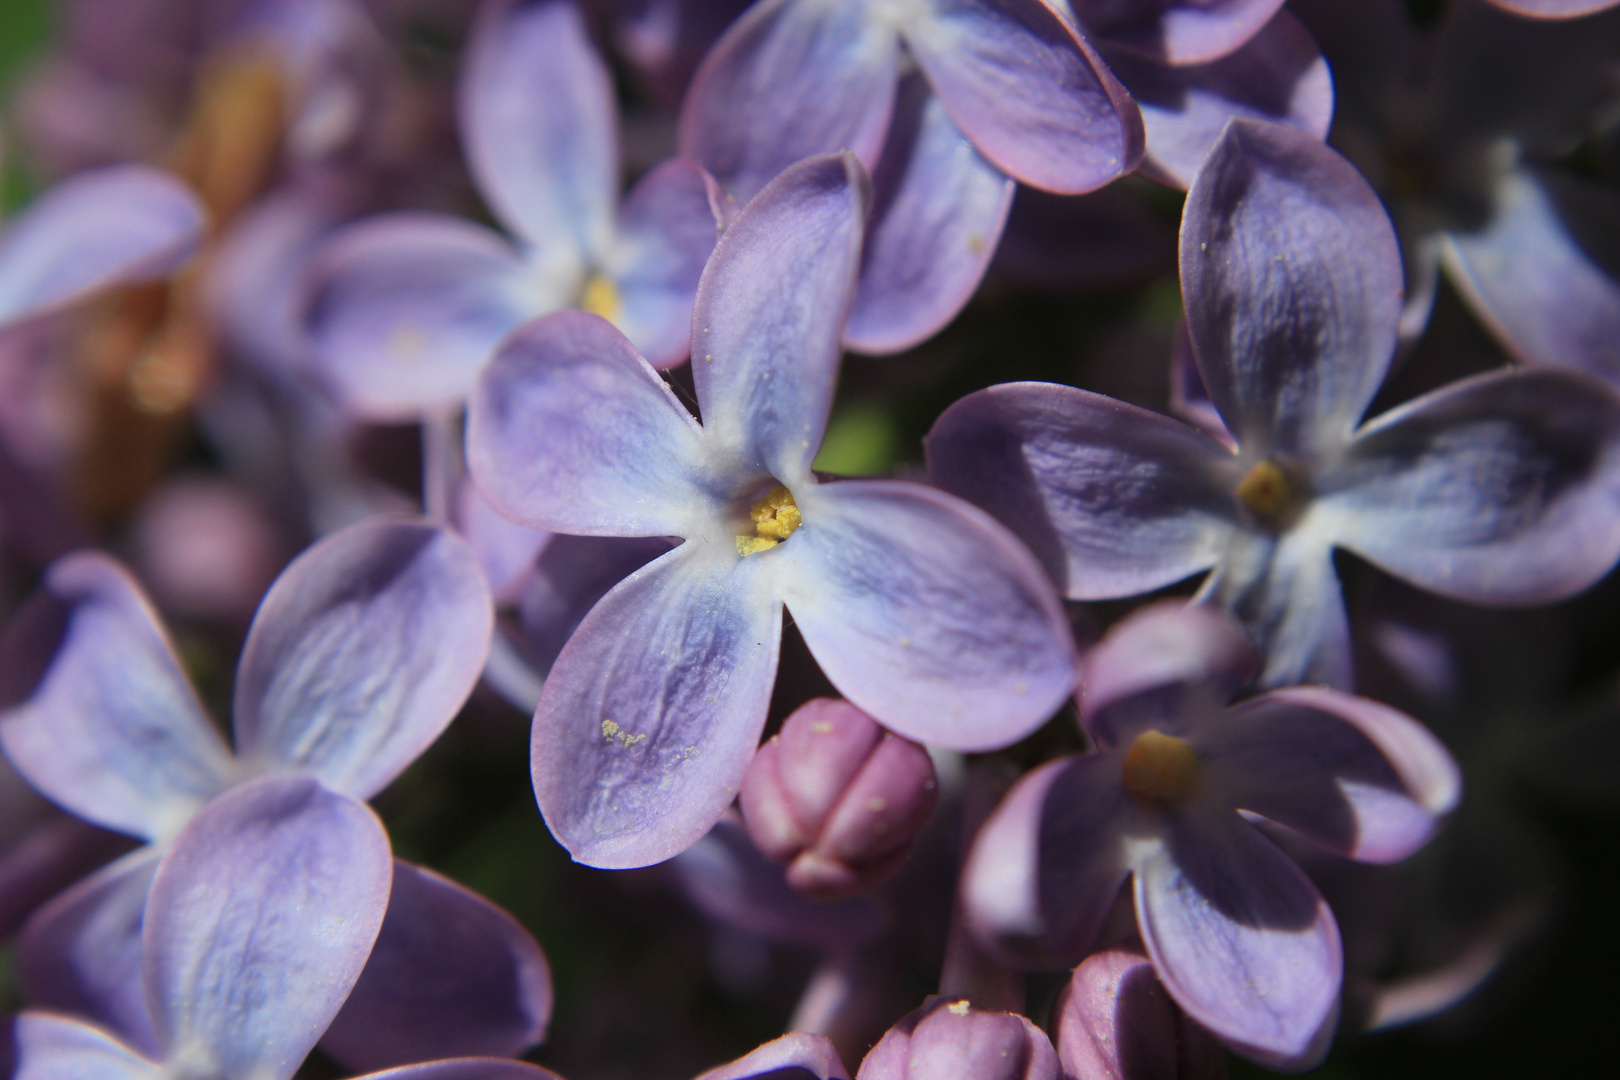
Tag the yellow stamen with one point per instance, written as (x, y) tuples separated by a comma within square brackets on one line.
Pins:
[(602, 298), (753, 545), (775, 516), (1160, 766), (1265, 491)]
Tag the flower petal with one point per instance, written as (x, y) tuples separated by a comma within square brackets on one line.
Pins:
[(1529, 275), (361, 653), (1349, 773), (101, 719), (571, 430), (1554, 9), (1278, 75), (937, 214), (1241, 939), (1498, 489), (925, 613), (1287, 596), (258, 924), (468, 1068), (666, 231), (770, 315), (1047, 866), (797, 1051), (93, 231), (1030, 92), (655, 706), (830, 66), (404, 310), (1115, 500), (451, 975), (539, 124), (1177, 31), (566, 581), (1292, 282), (58, 1048)]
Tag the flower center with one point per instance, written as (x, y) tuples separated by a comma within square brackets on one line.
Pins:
[(775, 516), (602, 298), (1267, 492), (1160, 766)]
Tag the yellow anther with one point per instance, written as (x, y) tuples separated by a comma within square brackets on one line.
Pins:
[(1160, 766), (1265, 491), (753, 545), (602, 298), (776, 515)]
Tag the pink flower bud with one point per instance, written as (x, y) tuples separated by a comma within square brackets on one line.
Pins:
[(837, 798), (949, 1039), (1115, 1022)]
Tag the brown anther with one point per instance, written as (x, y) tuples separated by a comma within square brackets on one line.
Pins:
[(1265, 491), (1161, 767)]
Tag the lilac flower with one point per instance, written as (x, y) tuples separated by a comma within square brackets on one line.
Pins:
[(1114, 1022), (1239, 937), (404, 311), (259, 922), (945, 101), (361, 653), (921, 610), (952, 1040), (95, 231), (1499, 489)]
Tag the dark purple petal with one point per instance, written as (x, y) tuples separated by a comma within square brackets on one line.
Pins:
[(93, 231), (1175, 31), (831, 67), (770, 315), (258, 924), (361, 653), (655, 706), (1115, 1022), (505, 550), (1498, 489), (1114, 499), (925, 613), (81, 953), (468, 1068), (937, 213), (566, 581), (403, 311), (570, 430), (1278, 75), (667, 229), (1554, 9), (1047, 866), (451, 975), (1031, 93), (797, 1051), (1292, 282), (58, 1048), (1349, 773), (1531, 274), (1097, 243), (101, 719), (1241, 939), (539, 124)]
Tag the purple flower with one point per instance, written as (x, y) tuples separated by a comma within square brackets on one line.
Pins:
[(362, 651), (1499, 489), (951, 1040), (796, 1055), (1115, 1022), (921, 610), (1240, 938), (403, 311), (994, 90)]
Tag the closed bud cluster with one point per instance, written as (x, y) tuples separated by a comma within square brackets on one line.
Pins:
[(837, 798)]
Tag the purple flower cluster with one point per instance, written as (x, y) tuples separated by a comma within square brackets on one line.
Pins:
[(1069, 687)]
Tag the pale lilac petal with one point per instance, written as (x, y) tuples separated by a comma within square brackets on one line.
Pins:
[(1554, 9), (539, 124), (1031, 93), (1278, 75), (451, 975), (468, 1068), (937, 213), (505, 550), (403, 311), (566, 581), (81, 953), (361, 653), (258, 924), (1292, 282), (655, 706), (1047, 866), (1287, 596), (1175, 31), (1241, 939), (666, 231), (1503, 488), (1530, 275), (1114, 499), (570, 430), (830, 67), (93, 231), (1348, 773), (58, 1048), (925, 613), (770, 314), (814, 1055), (101, 719)]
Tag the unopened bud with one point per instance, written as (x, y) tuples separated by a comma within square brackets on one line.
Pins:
[(837, 798), (1115, 1022), (949, 1039)]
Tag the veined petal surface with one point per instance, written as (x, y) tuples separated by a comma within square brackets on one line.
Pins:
[(667, 229)]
